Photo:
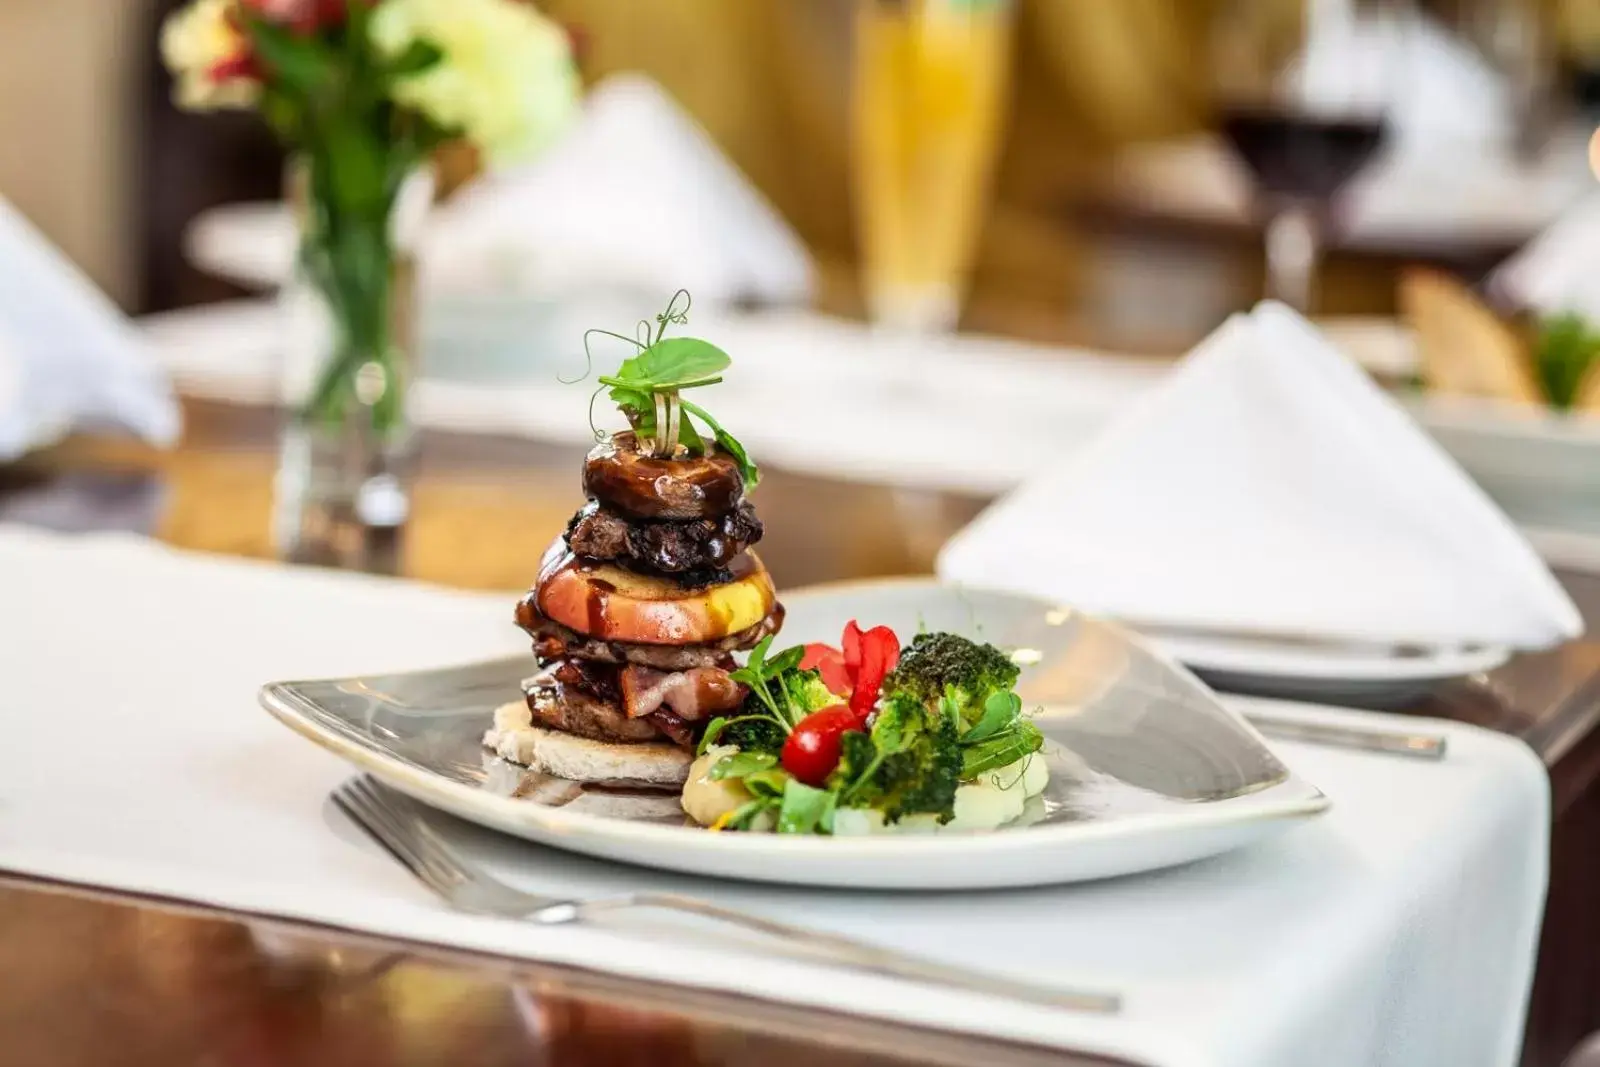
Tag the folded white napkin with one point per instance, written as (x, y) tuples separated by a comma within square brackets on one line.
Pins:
[(1268, 484), (1556, 271), (635, 196), (68, 358)]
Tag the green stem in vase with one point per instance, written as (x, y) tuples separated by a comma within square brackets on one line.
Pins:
[(347, 256)]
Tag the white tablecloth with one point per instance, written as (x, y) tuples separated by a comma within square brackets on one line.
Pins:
[(1397, 931)]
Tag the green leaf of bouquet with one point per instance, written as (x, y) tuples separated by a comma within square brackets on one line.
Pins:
[(302, 65), (418, 57)]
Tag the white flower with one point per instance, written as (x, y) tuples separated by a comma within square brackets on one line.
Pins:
[(506, 81), (209, 57)]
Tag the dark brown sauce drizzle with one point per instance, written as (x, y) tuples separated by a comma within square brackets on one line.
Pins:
[(597, 600)]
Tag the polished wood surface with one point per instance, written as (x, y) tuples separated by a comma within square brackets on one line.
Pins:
[(97, 981), (114, 981)]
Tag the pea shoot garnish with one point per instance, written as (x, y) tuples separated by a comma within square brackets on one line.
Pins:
[(646, 388)]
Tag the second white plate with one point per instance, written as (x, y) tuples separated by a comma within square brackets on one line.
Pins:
[(1328, 675)]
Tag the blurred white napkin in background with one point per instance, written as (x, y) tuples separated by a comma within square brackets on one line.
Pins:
[(1557, 271), (1269, 485), (634, 196), (68, 357), (1446, 93)]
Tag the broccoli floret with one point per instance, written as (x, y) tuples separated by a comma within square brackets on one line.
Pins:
[(910, 762), (937, 666), (753, 734), (796, 693), (806, 693)]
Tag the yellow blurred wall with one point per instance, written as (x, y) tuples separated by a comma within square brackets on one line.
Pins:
[(67, 116)]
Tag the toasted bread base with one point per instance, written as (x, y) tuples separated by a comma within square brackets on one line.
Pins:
[(514, 737)]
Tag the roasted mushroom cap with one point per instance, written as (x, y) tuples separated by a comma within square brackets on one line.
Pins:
[(629, 479)]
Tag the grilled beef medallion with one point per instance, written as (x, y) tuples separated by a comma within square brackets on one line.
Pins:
[(677, 548)]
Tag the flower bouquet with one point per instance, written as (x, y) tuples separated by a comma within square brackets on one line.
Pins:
[(363, 92)]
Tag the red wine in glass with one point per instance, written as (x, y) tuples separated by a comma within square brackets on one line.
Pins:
[(1301, 155), (1300, 160)]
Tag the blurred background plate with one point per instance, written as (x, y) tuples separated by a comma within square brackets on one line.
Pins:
[(1541, 466), (1352, 676)]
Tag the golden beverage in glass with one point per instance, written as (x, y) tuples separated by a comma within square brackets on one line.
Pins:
[(929, 99)]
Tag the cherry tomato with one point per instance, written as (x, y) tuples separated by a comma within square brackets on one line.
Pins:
[(812, 751), (829, 662)]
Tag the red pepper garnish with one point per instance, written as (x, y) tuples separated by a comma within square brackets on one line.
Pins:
[(880, 651), (829, 662), (858, 670)]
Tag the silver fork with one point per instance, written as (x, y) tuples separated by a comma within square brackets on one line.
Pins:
[(400, 825)]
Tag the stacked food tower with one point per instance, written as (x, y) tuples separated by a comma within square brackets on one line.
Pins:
[(640, 605)]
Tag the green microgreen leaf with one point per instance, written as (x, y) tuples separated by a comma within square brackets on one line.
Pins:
[(1000, 710), (770, 782), (740, 764), (1022, 739), (713, 731), (753, 673), (664, 366), (728, 443), (804, 808), (690, 438), (784, 661), (747, 813), (673, 363)]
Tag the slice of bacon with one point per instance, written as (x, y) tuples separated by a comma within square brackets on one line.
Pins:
[(675, 728), (691, 695)]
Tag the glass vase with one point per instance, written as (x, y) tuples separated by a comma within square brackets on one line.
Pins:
[(346, 462)]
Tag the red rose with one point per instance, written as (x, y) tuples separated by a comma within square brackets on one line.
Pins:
[(244, 65)]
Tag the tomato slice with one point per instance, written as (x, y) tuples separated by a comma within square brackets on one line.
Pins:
[(811, 752)]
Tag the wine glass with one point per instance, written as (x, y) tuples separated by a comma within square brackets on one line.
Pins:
[(1304, 87)]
